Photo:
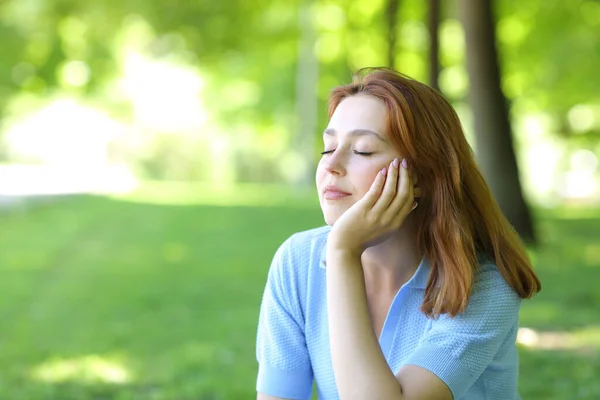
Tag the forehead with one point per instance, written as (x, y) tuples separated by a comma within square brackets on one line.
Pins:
[(359, 112)]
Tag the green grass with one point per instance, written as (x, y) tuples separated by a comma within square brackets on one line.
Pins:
[(115, 298)]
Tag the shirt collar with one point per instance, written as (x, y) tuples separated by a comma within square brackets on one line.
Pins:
[(417, 281)]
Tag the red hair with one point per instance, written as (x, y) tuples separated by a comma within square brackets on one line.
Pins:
[(460, 218)]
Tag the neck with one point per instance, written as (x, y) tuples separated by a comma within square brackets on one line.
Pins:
[(390, 264)]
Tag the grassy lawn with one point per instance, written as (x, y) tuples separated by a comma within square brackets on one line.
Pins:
[(126, 298)]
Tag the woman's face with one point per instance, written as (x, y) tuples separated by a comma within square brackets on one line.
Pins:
[(356, 148)]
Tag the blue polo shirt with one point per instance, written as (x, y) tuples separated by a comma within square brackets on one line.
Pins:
[(474, 353)]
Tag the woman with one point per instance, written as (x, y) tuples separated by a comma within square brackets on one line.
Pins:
[(391, 300)]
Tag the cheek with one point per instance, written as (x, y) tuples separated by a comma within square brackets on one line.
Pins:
[(364, 180)]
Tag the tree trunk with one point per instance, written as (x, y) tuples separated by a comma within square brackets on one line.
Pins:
[(392, 14), (494, 145), (434, 43), (307, 76)]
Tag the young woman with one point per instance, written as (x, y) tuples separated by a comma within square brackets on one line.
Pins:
[(412, 290)]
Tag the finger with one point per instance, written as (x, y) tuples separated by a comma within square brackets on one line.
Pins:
[(370, 198), (406, 180), (404, 197), (389, 190)]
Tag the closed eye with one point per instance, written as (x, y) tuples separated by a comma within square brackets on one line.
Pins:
[(360, 153)]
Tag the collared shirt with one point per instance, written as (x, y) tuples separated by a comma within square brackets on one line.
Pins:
[(473, 353)]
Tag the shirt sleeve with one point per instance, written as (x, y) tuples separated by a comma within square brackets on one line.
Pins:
[(284, 365), (459, 349)]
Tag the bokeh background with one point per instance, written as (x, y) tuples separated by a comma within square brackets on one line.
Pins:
[(154, 154)]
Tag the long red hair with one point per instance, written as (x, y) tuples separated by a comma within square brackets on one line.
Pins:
[(460, 218)]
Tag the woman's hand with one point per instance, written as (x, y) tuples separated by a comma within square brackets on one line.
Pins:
[(380, 212)]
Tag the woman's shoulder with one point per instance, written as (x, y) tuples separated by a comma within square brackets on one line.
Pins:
[(487, 273), (491, 288), (307, 241), (312, 235), (304, 248)]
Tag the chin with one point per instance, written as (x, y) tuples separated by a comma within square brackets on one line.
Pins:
[(331, 216), (329, 221), (332, 212)]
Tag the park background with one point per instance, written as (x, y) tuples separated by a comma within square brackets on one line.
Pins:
[(154, 155)]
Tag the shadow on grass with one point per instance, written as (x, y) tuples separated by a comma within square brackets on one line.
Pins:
[(98, 391)]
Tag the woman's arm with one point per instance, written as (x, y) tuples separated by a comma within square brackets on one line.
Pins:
[(284, 367), (360, 368)]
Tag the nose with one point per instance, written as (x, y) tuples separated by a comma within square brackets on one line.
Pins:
[(334, 164)]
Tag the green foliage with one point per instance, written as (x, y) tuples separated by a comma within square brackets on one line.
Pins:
[(247, 53), (550, 51)]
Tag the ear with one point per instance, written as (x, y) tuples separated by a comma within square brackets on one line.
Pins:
[(417, 192)]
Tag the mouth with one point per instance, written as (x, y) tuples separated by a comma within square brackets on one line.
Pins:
[(334, 193)]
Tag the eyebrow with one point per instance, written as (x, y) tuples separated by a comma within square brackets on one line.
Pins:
[(356, 132)]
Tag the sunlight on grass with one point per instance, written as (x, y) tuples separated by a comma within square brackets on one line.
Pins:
[(88, 369), (592, 254), (582, 339), (573, 212), (174, 252), (175, 193)]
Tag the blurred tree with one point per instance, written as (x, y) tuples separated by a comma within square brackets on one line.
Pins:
[(392, 22), (494, 145), (307, 77), (434, 43)]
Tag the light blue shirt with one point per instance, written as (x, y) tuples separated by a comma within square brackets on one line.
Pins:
[(474, 353)]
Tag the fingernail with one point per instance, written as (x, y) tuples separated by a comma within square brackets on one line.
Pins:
[(395, 163), (404, 163), (383, 171), (415, 204)]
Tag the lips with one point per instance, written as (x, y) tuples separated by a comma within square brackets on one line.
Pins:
[(333, 193)]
